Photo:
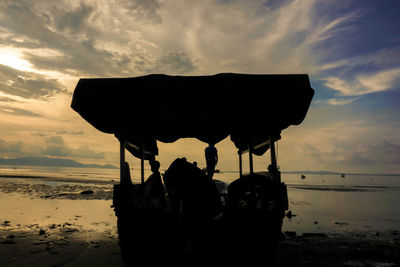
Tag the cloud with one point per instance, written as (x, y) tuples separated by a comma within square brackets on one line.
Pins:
[(366, 83), (381, 81), (133, 37), (74, 20), (345, 88), (384, 58), (27, 84), (121, 38), (7, 99), (385, 153), (174, 63), (10, 148), (341, 101), (56, 147), (53, 146), (63, 151), (147, 11), (313, 152), (39, 134), (18, 111), (74, 38), (54, 140), (362, 152), (63, 132)]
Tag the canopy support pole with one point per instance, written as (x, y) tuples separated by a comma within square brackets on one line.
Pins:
[(121, 160), (272, 150), (251, 159), (273, 168), (142, 163), (240, 164)]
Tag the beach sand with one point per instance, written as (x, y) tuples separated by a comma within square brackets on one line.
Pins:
[(50, 223)]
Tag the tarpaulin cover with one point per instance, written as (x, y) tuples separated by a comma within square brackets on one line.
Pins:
[(142, 110)]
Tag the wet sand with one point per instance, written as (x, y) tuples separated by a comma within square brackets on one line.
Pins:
[(69, 246), (50, 223), (58, 245)]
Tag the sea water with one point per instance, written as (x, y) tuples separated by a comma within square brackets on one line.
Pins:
[(328, 203)]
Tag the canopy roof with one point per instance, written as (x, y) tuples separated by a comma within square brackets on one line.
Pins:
[(142, 110)]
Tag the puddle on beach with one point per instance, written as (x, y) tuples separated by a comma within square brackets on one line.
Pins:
[(22, 212)]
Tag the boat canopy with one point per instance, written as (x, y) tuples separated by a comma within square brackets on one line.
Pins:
[(143, 110)]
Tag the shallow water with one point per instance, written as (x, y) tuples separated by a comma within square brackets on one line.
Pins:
[(357, 204)]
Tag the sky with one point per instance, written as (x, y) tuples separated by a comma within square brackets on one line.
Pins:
[(349, 49)]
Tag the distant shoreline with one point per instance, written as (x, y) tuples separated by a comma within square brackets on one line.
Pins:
[(335, 173), (51, 162)]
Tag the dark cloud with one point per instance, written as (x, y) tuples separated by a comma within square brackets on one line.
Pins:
[(70, 133), (54, 140), (175, 63), (16, 39), (22, 18), (144, 10), (9, 148), (27, 84), (76, 19), (39, 134), (18, 111), (76, 133)]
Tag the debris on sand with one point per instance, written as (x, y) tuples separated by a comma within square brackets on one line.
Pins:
[(68, 230), (290, 234), (42, 232), (289, 214), (9, 240), (87, 192)]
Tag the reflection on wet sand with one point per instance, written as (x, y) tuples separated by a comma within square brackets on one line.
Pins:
[(56, 232)]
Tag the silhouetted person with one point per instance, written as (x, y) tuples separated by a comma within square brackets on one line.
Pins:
[(154, 180), (195, 201), (211, 154)]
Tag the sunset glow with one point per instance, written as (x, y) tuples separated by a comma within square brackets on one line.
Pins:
[(13, 59)]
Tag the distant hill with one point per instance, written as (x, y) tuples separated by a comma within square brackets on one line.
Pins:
[(53, 162), (311, 172)]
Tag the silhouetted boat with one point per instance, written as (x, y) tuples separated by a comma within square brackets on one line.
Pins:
[(142, 110), (215, 171)]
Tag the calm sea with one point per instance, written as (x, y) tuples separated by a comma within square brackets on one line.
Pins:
[(355, 204)]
